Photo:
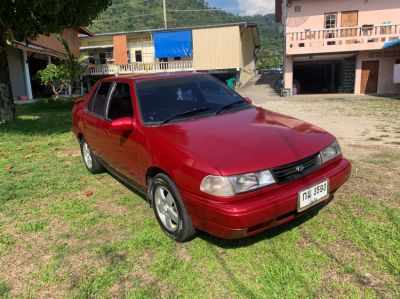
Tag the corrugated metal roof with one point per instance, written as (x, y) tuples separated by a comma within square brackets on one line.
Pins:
[(32, 47), (85, 31)]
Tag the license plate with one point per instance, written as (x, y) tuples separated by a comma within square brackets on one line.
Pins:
[(312, 196)]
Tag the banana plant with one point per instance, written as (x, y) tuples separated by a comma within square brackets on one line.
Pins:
[(74, 66)]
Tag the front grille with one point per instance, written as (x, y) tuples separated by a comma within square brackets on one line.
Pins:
[(296, 170)]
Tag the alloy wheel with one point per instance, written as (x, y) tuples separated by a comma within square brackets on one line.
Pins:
[(166, 208), (87, 155)]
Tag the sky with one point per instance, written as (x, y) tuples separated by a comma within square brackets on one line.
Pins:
[(245, 7)]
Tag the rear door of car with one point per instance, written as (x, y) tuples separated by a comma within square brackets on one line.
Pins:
[(94, 120)]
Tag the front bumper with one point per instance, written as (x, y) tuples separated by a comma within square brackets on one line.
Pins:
[(249, 216)]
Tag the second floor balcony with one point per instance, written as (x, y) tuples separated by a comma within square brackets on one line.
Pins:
[(366, 37), (139, 68)]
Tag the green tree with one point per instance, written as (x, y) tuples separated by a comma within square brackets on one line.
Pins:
[(24, 20), (55, 76), (267, 59)]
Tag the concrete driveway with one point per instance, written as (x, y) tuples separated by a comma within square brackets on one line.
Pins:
[(359, 122)]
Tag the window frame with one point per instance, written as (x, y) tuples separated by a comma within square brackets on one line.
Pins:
[(336, 20), (94, 95), (112, 89)]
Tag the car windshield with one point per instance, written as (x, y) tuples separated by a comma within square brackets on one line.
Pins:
[(179, 98)]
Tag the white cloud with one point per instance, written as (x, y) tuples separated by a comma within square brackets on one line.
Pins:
[(252, 7)]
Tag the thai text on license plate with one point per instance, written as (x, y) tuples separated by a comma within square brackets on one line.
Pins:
[(311, 196)]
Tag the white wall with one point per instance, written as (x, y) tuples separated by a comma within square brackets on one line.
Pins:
[(146, 47), (385, 79), (16, 72)]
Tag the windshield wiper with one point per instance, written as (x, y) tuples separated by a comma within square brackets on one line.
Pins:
[(185, 113), (229, 106)]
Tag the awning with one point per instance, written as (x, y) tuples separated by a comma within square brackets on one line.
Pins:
[(34, 48), (391, 43), (173, 44)]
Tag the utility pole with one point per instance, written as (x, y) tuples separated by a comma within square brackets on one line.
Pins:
[(165, 14)]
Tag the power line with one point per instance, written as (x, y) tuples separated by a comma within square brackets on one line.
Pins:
[(129, 2), (205, 9), (125, 18)]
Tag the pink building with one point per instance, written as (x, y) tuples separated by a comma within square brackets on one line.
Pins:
[(341, 46)]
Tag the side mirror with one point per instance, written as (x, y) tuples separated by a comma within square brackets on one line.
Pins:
[(248, 100), (124, 124)]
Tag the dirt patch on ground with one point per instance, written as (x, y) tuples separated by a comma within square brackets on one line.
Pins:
[(62, 153)]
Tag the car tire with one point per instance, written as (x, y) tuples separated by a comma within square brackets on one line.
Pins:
[(92, 163), (169, 209)]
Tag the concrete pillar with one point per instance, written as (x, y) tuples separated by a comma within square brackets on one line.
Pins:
[(48, 59), (357, 81), (288, 72), (27, 75)]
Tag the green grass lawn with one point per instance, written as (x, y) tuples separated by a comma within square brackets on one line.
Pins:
[(66, 233)]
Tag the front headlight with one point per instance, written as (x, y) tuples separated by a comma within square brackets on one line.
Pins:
[(231, 185), (217, 185), (331, 152)]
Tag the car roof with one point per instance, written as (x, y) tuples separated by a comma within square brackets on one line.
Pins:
[(138, 77)]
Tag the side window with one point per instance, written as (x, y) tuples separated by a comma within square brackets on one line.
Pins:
[(91, 102), (120, 102), (98, 103)]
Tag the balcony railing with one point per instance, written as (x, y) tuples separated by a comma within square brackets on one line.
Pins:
[(156, 67), (337, 39)]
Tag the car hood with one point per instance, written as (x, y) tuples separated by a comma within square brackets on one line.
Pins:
[(247, 140)]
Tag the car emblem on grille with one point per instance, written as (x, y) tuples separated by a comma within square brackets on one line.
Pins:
[(300, 168)]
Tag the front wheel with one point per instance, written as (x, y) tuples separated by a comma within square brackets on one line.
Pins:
[(169, 209)]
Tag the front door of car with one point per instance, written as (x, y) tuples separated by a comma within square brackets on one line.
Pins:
[(121, 146)]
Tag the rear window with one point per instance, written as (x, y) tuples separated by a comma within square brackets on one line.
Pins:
[(98, 102)]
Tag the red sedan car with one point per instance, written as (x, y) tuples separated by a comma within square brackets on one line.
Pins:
[(205, 157)]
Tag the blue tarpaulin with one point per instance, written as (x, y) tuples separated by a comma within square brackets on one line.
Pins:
[(173, 44), (391, 43)]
